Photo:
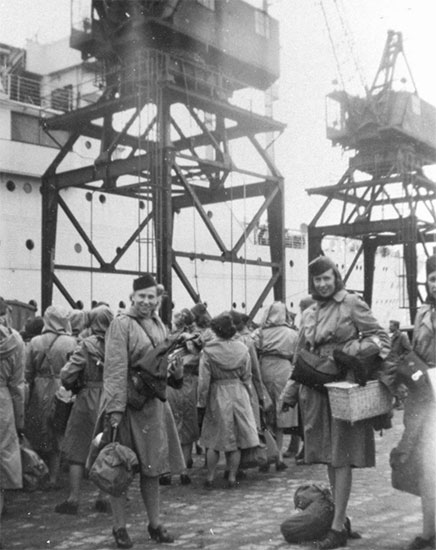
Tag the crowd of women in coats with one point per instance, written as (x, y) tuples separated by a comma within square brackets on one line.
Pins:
[(227, 381)]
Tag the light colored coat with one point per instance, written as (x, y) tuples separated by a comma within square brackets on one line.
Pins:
[(326, 325), (150, 432), (418, 442), (11, 407), (276, 342), (46, 355), (224, 389)]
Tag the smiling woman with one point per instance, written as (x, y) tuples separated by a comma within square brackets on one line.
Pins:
[(148, 429), (337, 317)]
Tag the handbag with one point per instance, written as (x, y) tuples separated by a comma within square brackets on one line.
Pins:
[(114, 468), (62, 406), (314, 371), (34, 468), (149, 379), (265, 453)]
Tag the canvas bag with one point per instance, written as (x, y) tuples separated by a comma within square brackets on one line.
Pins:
[(313, 516), (265, 453), (34, 468), (114, 468)]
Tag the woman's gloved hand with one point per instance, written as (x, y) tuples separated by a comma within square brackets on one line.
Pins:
[(115, 419)]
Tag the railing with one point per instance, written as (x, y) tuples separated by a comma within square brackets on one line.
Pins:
[(151, 67), (24, 90)]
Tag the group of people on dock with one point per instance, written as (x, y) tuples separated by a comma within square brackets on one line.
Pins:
[(226, 381)]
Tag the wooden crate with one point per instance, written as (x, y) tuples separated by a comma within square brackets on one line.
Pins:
[(351, 402)]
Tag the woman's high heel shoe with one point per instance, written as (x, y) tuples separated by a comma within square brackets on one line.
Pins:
[(122, 538), (160, 534)]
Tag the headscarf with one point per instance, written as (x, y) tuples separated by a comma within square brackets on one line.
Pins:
[(317, 267), (99, 320), (5, 313), (275, 316), (78, 321), (56, 320), (9, 341)]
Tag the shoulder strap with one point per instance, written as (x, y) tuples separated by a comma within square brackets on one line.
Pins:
[(153, 343), (46, 356)]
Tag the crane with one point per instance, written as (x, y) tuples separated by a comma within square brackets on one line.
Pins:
[(385, 197)]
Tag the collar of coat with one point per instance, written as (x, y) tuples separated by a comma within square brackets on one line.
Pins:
[(133, 313), (338, 297)]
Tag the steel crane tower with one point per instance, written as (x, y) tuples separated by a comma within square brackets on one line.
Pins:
[(161, 56), (384, 195)]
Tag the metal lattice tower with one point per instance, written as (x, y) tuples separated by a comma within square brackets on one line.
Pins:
[(385, 197), (161, 56)]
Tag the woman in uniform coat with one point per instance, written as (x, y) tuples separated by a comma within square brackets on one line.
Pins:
[(337, 317), (83, 373), (418, 443), (149, 431), (224, 389), (11, 404)]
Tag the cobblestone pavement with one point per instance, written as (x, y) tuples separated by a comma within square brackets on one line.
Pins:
[(246, 518)]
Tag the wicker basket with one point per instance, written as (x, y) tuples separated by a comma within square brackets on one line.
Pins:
[(352, 402)]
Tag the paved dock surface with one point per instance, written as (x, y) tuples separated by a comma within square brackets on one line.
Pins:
[(245, 518)]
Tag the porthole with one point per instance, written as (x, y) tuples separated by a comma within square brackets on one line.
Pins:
[(122, 305), (210, 214), (88, 196), (141, 205), (291, 263), (102, 199), (10, 185), (243, 305), (78, 248), (118, 249), (94, 304), (234, 305), (27, 187), (88, 144), (79, 304), (30, 245)]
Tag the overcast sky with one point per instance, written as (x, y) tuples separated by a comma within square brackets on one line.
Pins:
[(303, 153)]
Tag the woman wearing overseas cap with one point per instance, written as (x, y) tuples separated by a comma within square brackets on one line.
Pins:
[(336, 317), (149, 429)]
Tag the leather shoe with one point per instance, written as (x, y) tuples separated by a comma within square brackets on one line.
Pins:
[(333, 539), (103, 506), (185, 479), (165, 479), (280, 466), (350, 533), (122, 538), (67, 507), (160, 534)]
